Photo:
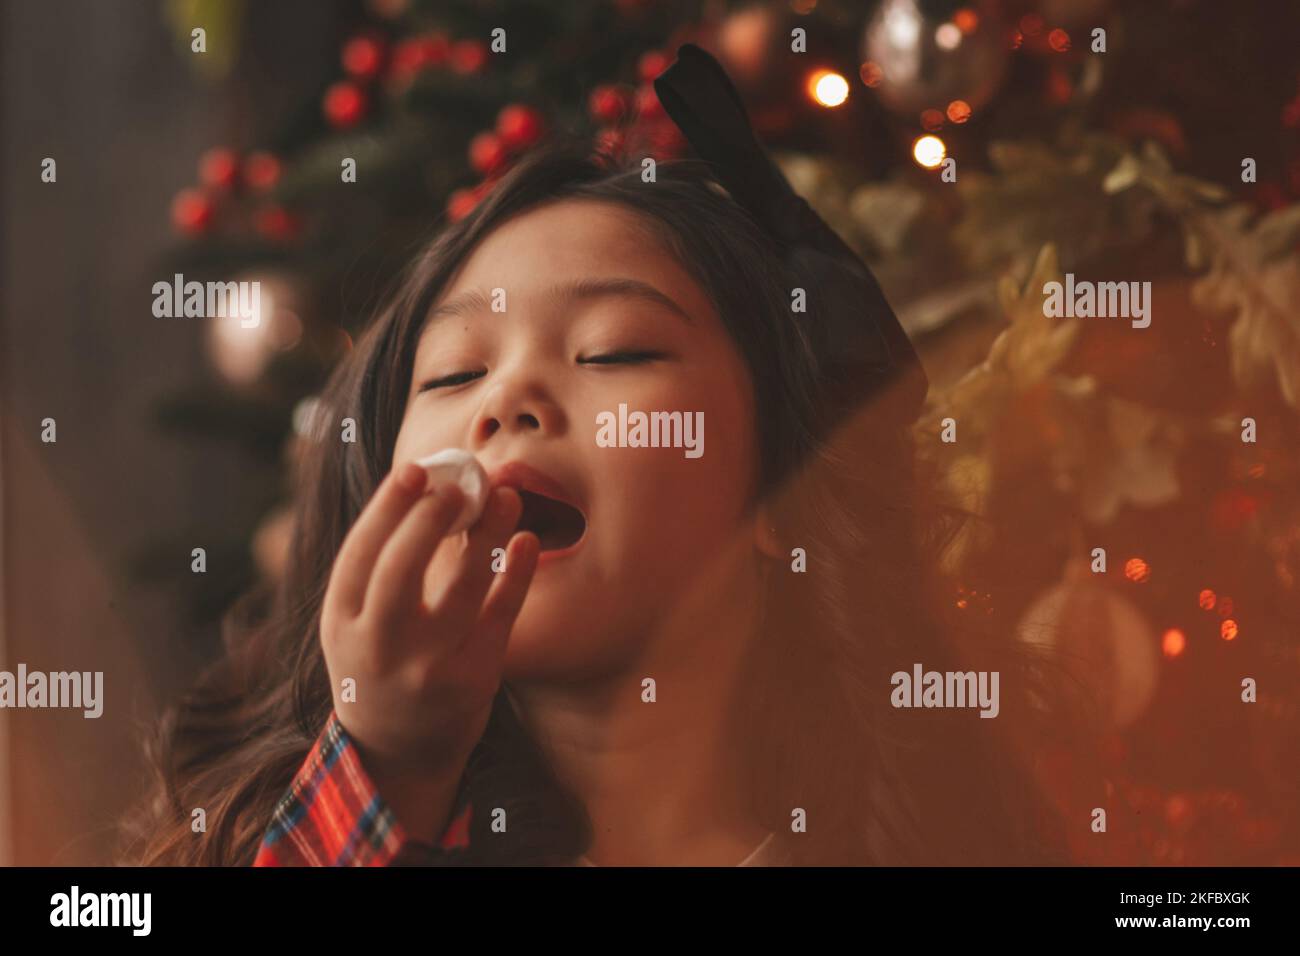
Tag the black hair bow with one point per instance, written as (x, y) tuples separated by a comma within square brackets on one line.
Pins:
[(863, 348)]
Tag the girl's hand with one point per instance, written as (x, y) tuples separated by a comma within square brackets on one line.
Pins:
[(425, 673)]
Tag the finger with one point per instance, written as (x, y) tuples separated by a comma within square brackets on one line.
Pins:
[(399, 490), (504, 600), (463, 597), (396, 587)]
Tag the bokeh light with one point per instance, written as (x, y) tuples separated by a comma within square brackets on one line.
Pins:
[(1137, 570), (947, 36), (828, 88), (966, 20), (929, 151), (959, 111)]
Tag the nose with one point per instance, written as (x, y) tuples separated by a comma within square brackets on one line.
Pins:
[(516, 403)]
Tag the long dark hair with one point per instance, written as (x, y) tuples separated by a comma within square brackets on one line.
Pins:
[(878, 785)]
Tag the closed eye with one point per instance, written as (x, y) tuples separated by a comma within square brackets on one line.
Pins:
[(622, 358), (610, 358), (459, 378)]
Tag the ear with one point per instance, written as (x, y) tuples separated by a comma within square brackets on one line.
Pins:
[(765, 536)]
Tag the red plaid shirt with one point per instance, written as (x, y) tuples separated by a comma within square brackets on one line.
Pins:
[(334, 816)]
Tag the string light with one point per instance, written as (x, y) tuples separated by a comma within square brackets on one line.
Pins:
[(1228, 631), (947, 36), (1173, 643), (929, 151), (1206, 600), (1136, 570), (959, 111), (828, 88)]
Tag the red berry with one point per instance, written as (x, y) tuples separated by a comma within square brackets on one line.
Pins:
[(647, 102), (362, 56), (261, 170), (418, 53), (407, 56), (192, 211), (344, 105), (608, 103), (487, 153), (651, 65), (276, 222), (219, 168), (434, 49), (468, 56), (520, 126), (461, 204)]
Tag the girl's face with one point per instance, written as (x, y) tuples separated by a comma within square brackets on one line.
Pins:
[(581, 284)]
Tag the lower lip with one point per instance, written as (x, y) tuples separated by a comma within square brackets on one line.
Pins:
[(546, 557)]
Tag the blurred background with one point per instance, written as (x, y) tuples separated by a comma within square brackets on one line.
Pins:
[(1116, 155)]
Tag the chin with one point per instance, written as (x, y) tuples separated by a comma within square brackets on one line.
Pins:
[(541, 640), (563, 647)]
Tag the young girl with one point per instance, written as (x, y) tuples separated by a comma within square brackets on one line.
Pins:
[(637, 656)]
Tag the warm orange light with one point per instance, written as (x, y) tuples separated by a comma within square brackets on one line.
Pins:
[(1228, 630), (1173, 642), (966, 20), (1059, 40), (929, 151), (959, 111), (828, 88), (1136, 570), (1206, 600), (1225, 606), (932, 120)]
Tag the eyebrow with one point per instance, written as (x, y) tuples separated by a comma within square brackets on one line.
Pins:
[(474, 301)]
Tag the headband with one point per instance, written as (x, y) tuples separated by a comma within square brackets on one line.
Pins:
[(861, 346)]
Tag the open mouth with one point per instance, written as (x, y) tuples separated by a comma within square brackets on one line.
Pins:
[(556, 524)]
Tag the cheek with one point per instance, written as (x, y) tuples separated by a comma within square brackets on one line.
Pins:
[(421, 433), (667, 497)]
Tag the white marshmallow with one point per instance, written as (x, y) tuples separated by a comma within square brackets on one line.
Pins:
[(458, 465)]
